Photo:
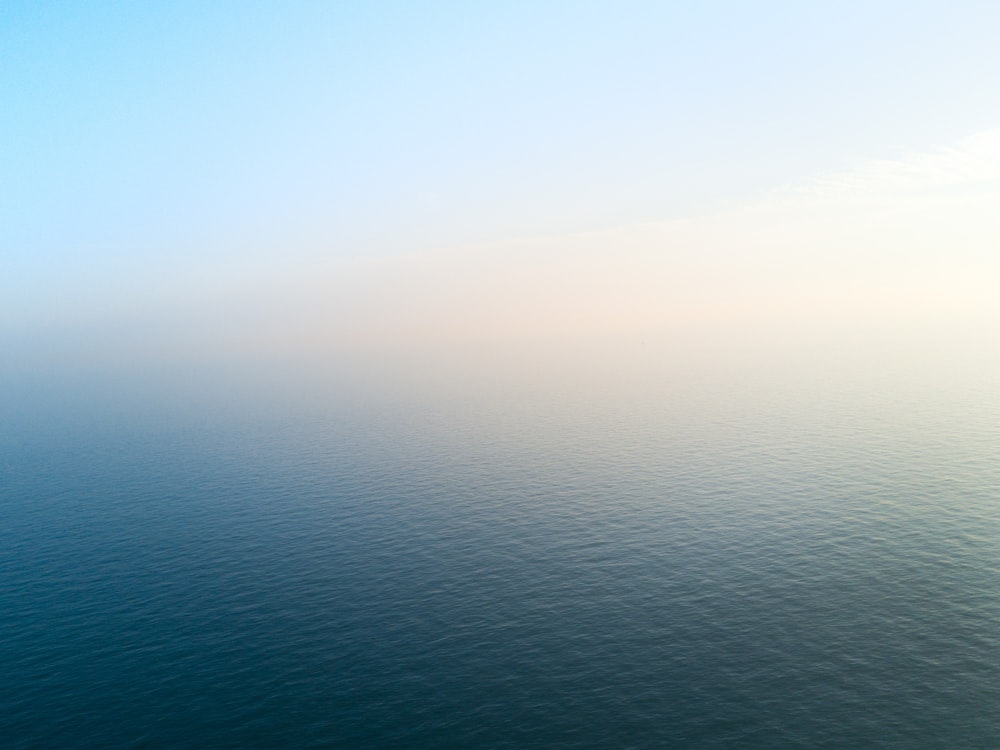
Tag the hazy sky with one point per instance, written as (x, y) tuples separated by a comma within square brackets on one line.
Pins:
[(384, 170)]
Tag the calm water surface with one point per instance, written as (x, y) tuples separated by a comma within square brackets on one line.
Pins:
[(654, 564)]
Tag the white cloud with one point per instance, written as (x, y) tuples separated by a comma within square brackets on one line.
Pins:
[(973, 164)]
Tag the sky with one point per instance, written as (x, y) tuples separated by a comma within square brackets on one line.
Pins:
[(208, 177)]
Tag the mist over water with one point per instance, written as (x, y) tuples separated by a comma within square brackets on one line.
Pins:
[(708, 549), (499, 375)]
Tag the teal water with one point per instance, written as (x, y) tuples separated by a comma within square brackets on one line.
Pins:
[(659, 564)]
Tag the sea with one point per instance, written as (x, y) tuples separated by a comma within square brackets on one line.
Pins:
[(707, 556)]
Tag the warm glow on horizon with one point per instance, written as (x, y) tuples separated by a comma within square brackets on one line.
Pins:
[(416, 206), (890, 247)]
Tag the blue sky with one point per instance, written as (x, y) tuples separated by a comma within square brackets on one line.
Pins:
[(148, 140)]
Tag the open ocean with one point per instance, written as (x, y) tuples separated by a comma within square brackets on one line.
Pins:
[(719, 562)]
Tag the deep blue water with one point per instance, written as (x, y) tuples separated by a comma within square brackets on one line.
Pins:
[(671, 565)]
